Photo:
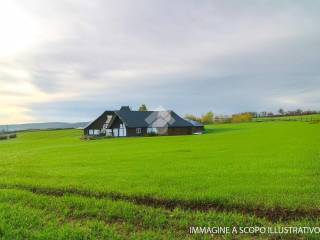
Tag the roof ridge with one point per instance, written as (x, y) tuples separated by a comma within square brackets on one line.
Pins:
[(152, 111)]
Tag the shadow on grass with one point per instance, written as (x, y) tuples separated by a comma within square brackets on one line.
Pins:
[(219, 130)]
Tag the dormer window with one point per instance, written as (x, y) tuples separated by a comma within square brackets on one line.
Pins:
[(109, 117)]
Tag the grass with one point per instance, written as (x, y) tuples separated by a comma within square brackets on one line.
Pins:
[(304, 118), (55, 186)]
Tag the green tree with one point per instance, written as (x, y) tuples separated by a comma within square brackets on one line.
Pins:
[(242, 117), (191, 117), (207, 118), (143, 108)]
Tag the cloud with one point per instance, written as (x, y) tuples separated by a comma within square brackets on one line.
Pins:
[(189, 56)]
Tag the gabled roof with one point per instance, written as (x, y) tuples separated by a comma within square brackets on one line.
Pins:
[(141, 119), (135, 119)]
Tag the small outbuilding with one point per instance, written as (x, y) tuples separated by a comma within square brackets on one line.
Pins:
[(197, 128)]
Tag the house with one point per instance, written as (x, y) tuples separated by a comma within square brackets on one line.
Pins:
[(125, 122)]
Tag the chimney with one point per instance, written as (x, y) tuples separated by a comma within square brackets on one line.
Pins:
[(125, 108)]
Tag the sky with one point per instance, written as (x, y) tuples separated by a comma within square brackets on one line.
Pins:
[(69, 60)]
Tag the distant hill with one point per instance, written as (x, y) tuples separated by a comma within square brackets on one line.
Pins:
[(41, 126)]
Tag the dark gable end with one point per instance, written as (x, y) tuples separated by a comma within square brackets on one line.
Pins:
[(98, 122)]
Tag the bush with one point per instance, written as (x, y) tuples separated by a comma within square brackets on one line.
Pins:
[(222, 119), (207, 118), (85, 137), (151, 134), (192, 117), (242, 117), (3, 137), (13, 135), (8, 136)]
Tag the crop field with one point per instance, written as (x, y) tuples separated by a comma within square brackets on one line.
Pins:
[(55, 186)]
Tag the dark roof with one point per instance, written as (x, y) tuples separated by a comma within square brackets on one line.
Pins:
[(194, 123), (136, 119)]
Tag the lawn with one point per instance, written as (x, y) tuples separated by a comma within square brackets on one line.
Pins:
[(55, 186)]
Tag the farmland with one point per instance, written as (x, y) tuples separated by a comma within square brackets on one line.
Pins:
[(301, 118), (55, 186)]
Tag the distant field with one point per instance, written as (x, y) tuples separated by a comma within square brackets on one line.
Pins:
[(55, 186), (302, 118)]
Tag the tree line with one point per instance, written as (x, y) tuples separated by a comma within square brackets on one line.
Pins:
[(282, 112), (209, 117)]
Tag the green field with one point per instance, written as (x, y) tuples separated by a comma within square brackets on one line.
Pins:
[(55, 186), (302, 118)]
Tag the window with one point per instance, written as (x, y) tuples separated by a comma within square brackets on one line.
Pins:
[(96, 132), (138, 130), (152, 130), (109, 132)]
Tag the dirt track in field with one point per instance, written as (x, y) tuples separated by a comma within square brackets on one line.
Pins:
[(272, 214)]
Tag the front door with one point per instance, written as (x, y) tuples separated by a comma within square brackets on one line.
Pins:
[(116, 132), (122, 131)]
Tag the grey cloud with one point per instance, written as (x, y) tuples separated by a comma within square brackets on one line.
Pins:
[(191, 56)]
